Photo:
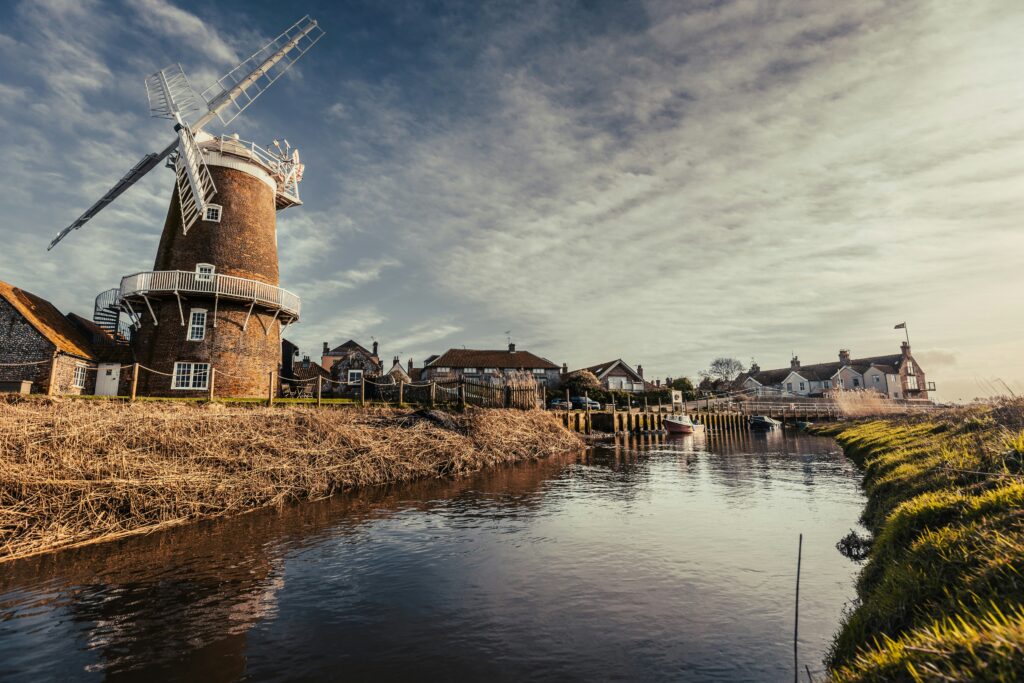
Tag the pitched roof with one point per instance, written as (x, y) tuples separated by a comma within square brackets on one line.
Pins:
[(823, 371), (473, 358), (301, 371), (348, 347), (397, 367), (602, 368), (48, 321)]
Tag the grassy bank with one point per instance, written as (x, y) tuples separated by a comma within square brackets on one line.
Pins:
[(74, 472), (940, 595)]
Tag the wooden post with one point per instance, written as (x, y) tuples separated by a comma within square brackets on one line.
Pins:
[(319, 382), (213, 378), (462, 394), (51, 388), (362, 390), (543, 396), (507, 398), (646, 409), (586, 398), (270, 389), (401, 392), (433, 391), (135, 379)]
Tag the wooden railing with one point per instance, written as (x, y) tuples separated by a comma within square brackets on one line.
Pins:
[(162, 282)]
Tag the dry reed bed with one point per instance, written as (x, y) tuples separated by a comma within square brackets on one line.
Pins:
[(74, 472)]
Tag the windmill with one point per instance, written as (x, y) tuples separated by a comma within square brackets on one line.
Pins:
[(171, 97), (212, 301)]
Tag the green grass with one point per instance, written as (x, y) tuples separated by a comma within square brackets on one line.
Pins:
[(940, 596)]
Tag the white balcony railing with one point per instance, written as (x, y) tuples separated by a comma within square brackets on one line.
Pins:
[(163, 282)]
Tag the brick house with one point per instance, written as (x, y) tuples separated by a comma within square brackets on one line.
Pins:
[(351, 362), (617, 375), (486, 365), (40, 346), (897, 376)]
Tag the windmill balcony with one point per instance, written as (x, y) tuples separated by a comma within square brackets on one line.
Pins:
[(160, 283)]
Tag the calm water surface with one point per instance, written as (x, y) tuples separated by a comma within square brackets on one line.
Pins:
[(654, 559)]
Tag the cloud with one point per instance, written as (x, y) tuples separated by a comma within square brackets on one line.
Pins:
[(186, 27)]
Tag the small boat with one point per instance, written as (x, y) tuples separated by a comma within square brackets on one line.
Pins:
[(682, 424), (763, 422)]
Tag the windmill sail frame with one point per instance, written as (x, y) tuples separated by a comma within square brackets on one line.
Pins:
[(237, 89)]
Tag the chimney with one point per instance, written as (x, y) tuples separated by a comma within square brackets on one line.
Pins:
[(844, 356), (395, 361), (511, 347), (305, 361), (905, 349), (794, 364), (410, 366), (565, 368), (374, 348), (657, 382), (754, 368), (327, 349), (640, 371)]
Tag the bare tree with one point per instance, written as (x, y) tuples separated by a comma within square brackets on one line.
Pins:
[(723, 370)]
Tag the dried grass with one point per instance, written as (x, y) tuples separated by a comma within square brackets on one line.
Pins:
[(857, 404), (74, 472)]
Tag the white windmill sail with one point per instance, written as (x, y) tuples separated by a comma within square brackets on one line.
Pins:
[(171, 96), (238, 88)]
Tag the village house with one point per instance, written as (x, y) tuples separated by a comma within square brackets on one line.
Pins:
[(897, 376), (617, 375), (350, 363), (490, 366), (397, 373), (41, 350)]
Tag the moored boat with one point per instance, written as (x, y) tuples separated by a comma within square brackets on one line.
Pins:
[(763, 422), (682, 424)]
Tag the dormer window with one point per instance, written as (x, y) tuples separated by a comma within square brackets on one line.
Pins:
[(213, 212), (204, 271)]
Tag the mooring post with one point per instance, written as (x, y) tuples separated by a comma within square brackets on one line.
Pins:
[(213, 378), (319, 383), (796, 615), (401, 384), (135, 379), (270, 389), (586, 398)]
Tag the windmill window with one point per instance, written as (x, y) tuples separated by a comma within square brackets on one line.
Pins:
[(204, 271), (190, 376), (197, 324), (213, 212), (79, 380)]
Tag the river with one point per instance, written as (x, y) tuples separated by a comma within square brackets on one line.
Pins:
[(651, 559)]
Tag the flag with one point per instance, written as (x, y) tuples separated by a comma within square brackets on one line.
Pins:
[(901, 326)]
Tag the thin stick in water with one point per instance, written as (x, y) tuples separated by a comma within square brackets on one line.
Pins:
[(796, 616)]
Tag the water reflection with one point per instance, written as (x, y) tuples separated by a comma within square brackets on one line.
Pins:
[(646, 558)]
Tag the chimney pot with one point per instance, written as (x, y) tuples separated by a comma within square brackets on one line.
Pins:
[(511, 347), (844, 356), (565, 368), (794, 364), (640, 370), (375, 348), (905, 349), (410, 366), (327, 348)]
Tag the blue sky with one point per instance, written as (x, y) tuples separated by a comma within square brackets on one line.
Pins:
[(659, 181)]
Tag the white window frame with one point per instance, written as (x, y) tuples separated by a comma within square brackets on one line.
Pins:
[(193, 325), (490, 371), (540, 371), (213, 207), (191, 373), (355, 376), (203, 276), (80, 376), (469, 371)]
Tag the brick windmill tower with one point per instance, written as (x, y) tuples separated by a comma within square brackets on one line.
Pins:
[(212, 307)]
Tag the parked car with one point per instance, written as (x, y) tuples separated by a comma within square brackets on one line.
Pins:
[(580, 403), (559, 404)]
